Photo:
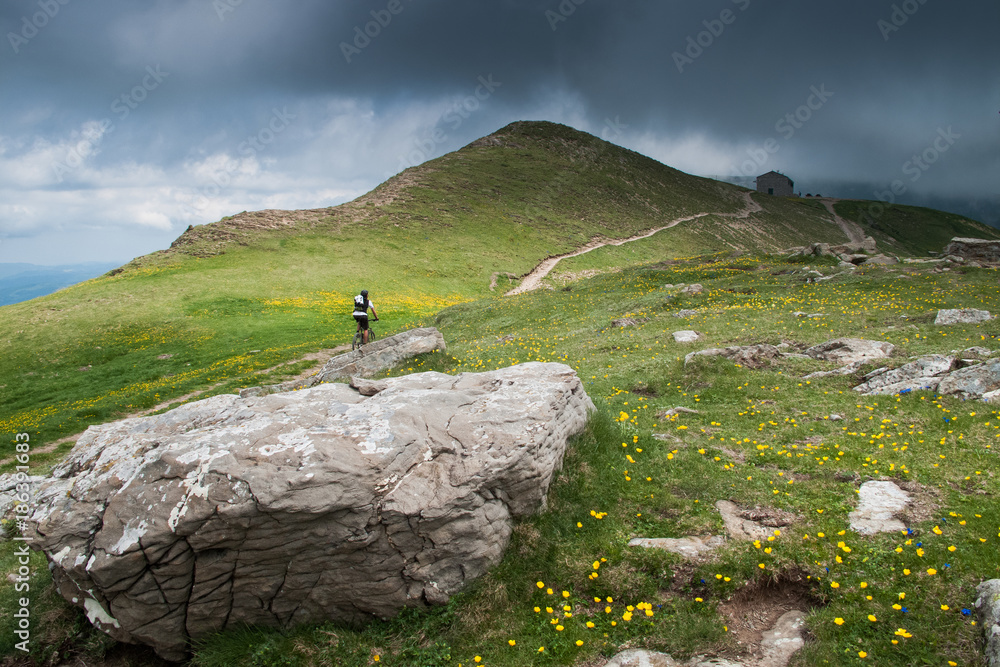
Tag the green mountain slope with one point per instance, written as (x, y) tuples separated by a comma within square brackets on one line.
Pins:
[(251, 292)]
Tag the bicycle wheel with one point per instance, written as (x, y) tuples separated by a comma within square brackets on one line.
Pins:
[(371, 334), (356, 343)]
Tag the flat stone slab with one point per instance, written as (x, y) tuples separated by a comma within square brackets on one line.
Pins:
[(692, 548), (686, 336), (783, 640), (878, 503), (962, 316)]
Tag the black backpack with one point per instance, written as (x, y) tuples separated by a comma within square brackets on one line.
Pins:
[(360, 304)]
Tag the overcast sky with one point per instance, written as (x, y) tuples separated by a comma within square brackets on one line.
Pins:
[(124, 121)]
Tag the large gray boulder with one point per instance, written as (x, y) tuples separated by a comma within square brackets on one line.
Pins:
[(303, 506)]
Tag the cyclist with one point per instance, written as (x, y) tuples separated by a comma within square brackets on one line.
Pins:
[(361, 306)]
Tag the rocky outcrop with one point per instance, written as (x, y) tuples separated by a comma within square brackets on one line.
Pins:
[(371, 359), (749, 356), (861, 250), (944, 374), (962, 316), (972, 381), (979, 250), (305, 506), (924, 373), (851, 350)]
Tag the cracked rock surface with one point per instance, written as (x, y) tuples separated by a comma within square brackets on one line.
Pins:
[(319, 504)]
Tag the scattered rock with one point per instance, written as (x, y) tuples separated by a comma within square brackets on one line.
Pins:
[(686, 313), (302, 507), (976, 352), (164, 357), (686, 336), (639, 657), (962, 316), (851, 350), (676, 411), (883, 260), (843, 370), (836, 418), (878, 503), (988, 613), (84, 369), (365, 362), (924, 373), (692, 548), (750, 356), (628, 321), (692, 290), (367, 387), (740, 526)]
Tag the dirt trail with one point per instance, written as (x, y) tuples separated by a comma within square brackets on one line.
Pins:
[(533, 280), (852, 230)]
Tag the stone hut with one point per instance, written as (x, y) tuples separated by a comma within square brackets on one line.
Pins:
[(773, 183)]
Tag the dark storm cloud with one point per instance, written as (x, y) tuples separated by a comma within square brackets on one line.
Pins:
[(828, 92)]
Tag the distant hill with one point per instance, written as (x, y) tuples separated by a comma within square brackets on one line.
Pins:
[(21, 282)]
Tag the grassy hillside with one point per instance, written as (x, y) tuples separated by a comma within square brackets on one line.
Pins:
[(763, 438)]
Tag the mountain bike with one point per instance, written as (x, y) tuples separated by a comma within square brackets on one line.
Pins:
[(359, 336)]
